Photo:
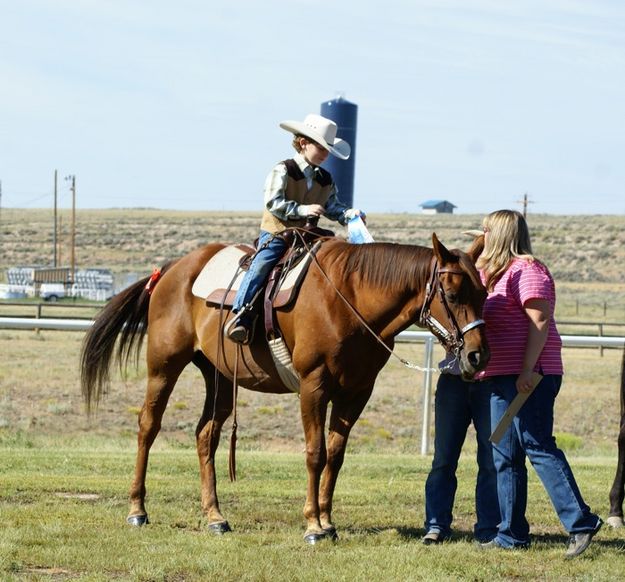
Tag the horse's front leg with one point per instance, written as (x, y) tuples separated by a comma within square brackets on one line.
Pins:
[(617, 492), (345, 413), (313, 405)]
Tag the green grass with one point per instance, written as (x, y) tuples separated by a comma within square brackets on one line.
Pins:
[(63, 510)]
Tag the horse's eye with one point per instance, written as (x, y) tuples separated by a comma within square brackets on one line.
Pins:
[(451, 297)]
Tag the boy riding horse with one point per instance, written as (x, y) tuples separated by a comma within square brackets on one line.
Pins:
[(295, 190)]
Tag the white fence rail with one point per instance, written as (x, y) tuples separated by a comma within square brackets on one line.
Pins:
[(578, 341), (45, 323)]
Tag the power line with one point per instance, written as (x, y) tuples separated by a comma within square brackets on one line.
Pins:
[(23, 203)]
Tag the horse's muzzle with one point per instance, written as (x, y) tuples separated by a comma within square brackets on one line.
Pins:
[(473, 362)]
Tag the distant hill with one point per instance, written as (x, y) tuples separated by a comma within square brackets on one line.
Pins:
[(576, 248)]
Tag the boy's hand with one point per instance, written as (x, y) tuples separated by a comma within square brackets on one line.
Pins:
[(353, 212), (307, 210)]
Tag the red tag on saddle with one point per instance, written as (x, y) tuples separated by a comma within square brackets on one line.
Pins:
[(153, 280)]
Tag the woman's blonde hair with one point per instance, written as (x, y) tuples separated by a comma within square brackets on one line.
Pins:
[(508, 238)]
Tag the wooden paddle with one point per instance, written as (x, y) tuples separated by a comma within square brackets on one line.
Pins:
[(512, 410)]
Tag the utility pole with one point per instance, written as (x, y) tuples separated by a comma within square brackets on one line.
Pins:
[(525, 202), (72, 179), (61, 233), (54, 234)]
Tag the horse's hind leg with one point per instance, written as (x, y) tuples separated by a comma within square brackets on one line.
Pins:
[(617, 492), (217, 408), (162, 378)]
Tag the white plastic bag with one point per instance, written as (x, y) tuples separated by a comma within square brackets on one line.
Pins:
[(357, 232)]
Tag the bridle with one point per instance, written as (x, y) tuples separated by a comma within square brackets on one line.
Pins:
[(453, 341)]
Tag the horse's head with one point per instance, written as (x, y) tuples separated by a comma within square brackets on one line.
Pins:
[(453, 307)]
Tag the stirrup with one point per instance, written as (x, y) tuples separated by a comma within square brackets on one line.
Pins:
[(235, 330)]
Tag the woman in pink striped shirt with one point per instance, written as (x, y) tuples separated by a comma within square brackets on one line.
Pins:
[(523, 339)]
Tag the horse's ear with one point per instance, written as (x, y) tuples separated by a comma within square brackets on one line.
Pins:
[(476, 248), (441, 252)]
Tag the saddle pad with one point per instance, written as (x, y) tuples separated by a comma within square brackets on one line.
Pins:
[(216, 276), (218, 272)]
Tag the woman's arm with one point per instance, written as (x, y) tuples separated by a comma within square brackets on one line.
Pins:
[(538, 312)]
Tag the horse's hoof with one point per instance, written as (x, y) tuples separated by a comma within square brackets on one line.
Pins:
[(219, 528), (137, 520), (312, 538), (615, 521), (330, 533)]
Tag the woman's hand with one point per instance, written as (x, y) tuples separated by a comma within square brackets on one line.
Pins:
[(525, 382)]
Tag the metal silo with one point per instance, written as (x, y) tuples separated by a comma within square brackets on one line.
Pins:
[(345, 115)]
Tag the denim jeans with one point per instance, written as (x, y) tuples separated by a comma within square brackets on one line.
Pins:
[(259, 270), (531, 435), (456, 405)]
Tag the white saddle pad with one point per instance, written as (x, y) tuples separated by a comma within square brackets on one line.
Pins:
[(218, 272), (216, 276)]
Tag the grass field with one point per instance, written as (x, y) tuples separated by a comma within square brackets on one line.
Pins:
[(63, 510), (64, 480)]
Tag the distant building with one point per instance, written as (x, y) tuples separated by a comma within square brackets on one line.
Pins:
[(54, 283), (437, 207)]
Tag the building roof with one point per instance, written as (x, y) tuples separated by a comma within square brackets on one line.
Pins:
[(435, 203)]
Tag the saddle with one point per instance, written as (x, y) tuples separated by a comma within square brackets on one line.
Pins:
[(221, 277)]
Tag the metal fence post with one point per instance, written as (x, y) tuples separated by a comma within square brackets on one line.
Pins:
[(427, 396), (600, 335)]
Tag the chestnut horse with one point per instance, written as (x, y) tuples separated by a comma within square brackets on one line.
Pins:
[(387, 286), (617, 492)]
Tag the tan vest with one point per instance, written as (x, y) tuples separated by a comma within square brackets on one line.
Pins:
[(297, 190)]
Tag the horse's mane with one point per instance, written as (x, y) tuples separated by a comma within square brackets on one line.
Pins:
[(385, 265), (393, 266)]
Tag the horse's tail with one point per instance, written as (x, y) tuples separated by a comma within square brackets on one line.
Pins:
[(126, 316)]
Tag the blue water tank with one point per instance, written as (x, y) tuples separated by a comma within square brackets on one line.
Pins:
[(345, 115)]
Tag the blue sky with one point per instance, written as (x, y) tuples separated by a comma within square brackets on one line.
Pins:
[(177, 104)]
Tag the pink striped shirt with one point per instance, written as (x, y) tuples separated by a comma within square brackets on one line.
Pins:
[(507, 324)]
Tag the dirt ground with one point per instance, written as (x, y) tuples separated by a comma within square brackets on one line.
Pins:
[(40, 394), (45, 398)]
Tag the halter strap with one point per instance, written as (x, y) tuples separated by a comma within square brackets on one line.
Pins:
[(453, 340), (473, 324)]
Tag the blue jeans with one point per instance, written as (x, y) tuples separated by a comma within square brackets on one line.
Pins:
[(456, 405), (531, 435), (259, 270)]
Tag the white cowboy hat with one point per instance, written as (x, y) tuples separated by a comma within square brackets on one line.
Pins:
[(320, 130)]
